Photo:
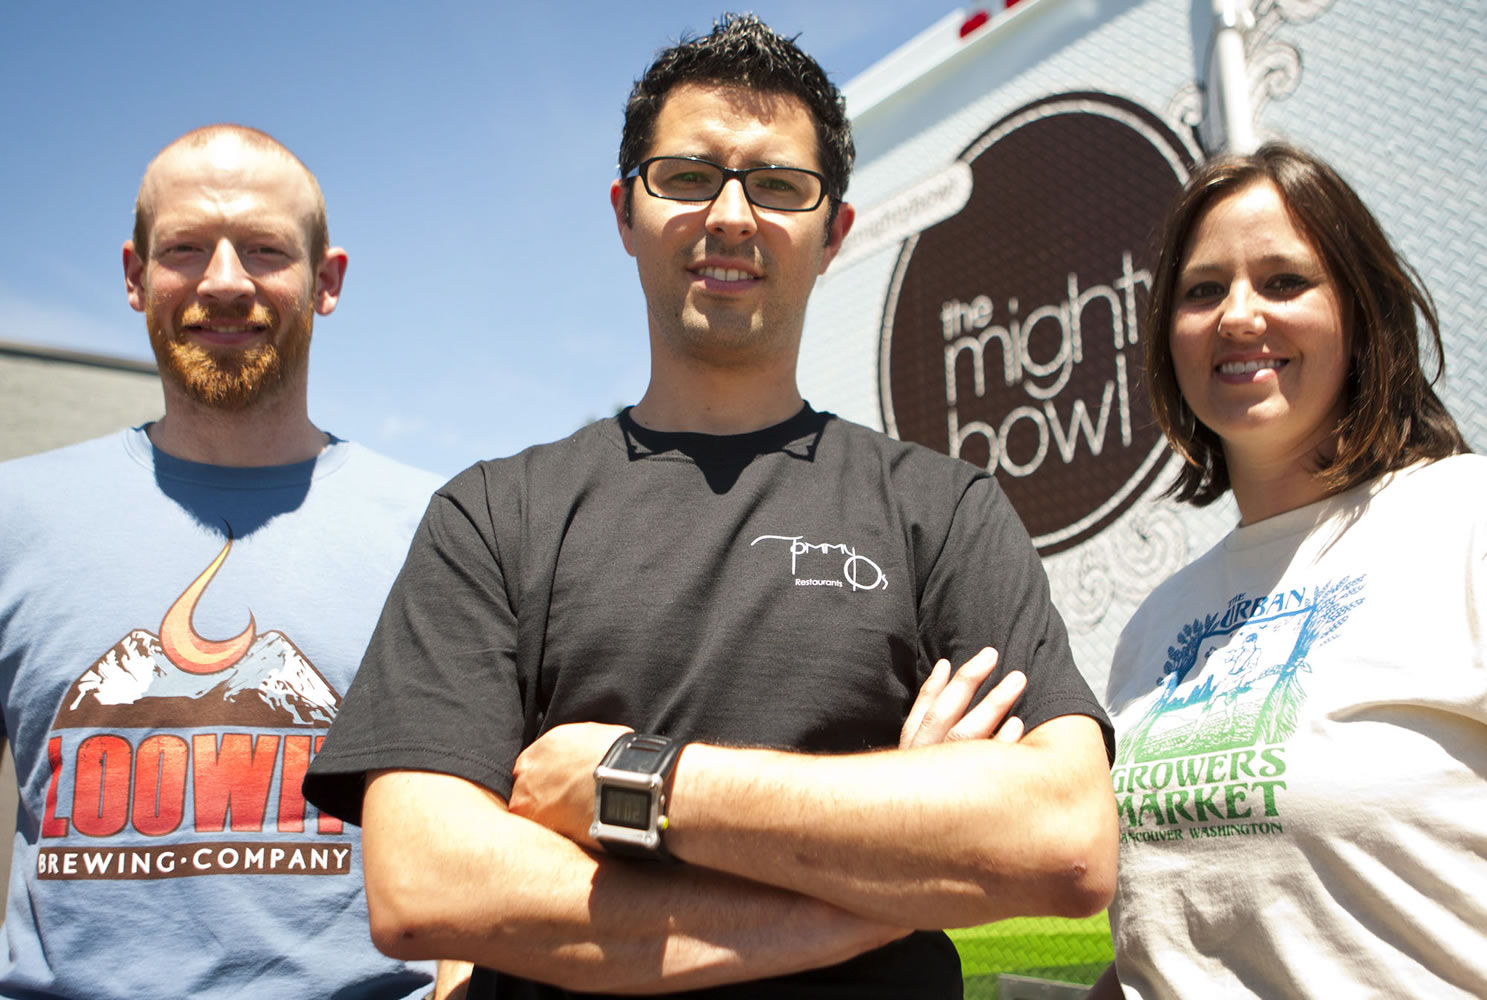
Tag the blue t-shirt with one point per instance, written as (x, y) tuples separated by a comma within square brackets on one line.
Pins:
[(175, 639)]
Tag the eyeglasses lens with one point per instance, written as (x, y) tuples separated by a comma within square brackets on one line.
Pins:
[(768, 187)]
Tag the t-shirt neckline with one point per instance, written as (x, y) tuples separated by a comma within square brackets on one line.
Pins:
[(797, 435), (259, 477)]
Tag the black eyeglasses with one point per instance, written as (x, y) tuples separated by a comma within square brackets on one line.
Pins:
[(688, 178)]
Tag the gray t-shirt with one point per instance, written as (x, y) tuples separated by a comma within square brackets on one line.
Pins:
[(789, 588)]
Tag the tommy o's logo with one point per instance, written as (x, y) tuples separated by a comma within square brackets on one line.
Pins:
[(857, 572), (1012, 334)]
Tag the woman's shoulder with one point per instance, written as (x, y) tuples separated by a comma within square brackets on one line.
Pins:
[(1445, 485), (1458, 468)]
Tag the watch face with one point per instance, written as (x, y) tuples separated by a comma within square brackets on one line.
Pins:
[(625, 807)]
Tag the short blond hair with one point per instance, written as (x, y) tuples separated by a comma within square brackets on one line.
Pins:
[(199, 138)]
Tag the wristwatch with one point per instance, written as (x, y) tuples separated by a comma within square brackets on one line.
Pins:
[(630, 796)]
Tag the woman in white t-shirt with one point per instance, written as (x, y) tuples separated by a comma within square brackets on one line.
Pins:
[(1301, 714)]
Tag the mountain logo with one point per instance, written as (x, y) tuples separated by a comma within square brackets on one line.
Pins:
[(179, 678), (170, 742)]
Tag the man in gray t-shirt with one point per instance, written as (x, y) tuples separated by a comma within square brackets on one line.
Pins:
[(757, 589)]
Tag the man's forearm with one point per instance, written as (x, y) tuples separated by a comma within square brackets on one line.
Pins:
[(451, 874), (942, 836)]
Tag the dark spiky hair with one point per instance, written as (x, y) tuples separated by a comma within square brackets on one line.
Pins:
[(742, 50)]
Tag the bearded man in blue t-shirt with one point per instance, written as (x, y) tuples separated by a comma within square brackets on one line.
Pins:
[(182, 607)]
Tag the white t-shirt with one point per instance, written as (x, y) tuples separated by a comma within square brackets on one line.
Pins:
[(1301, 723)]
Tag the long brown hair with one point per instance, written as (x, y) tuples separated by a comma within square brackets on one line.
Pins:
[(1392, 416)]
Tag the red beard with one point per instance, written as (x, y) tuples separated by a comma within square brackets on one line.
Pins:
[(230, 378)]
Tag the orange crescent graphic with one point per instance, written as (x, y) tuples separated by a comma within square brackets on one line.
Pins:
[(178, 637)]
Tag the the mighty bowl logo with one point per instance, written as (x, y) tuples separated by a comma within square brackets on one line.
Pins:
[(1012, 333)]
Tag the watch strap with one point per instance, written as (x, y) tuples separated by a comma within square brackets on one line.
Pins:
[(644, 753)]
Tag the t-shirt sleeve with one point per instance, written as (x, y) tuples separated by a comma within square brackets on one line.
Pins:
[(987, 588), (437, 689)]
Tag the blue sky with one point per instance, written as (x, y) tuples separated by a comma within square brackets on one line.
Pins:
[(465, 151)]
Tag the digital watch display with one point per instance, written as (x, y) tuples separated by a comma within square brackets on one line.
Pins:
[(630, 796), (625, 807)]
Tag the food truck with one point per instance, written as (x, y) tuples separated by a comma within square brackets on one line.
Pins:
[(1014, 164)]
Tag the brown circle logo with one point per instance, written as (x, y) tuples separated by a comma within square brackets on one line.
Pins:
[(1011, 334)]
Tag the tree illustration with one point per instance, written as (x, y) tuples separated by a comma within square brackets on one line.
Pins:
[(1181, 658), (1331, 605)]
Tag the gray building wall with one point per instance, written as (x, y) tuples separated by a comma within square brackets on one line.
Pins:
[(50, 398)]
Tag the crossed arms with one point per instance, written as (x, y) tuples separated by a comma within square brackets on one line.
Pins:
[(793, 861)]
